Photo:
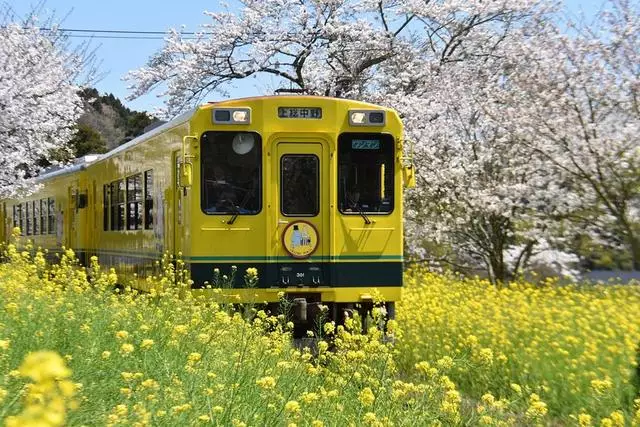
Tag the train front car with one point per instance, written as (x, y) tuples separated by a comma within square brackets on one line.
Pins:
[(307, 191)]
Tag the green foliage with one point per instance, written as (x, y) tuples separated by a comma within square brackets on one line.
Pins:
[(108, 117), (87, 141)]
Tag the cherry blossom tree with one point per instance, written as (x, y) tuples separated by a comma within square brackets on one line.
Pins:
[(331, 48), (482, 197), (39, 104), (578, 107)]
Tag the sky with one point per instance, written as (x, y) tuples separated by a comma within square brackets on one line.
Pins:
[(118, 56)]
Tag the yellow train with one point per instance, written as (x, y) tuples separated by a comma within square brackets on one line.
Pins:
[(307, 190)]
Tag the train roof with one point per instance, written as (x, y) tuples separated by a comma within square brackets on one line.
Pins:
[(83, 162)]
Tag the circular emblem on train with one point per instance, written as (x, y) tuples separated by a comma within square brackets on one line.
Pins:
[(300, 239)]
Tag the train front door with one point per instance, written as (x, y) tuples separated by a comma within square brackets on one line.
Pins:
[(301, 201)]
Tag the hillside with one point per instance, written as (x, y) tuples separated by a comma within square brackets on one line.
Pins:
[(106, 123)]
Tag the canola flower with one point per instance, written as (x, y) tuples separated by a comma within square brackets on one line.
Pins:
[(564, 352), (461, 353)]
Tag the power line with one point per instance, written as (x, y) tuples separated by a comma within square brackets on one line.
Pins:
[(78, 30), (114, 34), (91, 36)]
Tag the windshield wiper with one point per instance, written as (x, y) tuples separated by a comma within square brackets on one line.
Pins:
[(236, 209), (236, 212), (361, 212)]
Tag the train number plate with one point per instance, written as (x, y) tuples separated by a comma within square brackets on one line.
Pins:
[(300, 112)]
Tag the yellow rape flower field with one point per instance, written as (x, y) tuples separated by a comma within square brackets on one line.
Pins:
[(73, 351)]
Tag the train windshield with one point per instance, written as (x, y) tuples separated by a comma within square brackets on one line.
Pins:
[(365, 173), (231, 171)]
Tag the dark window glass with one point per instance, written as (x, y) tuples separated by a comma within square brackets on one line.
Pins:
[(134, 202), (43, 216), (148, 200), (231, 173), (28, 218), (36, 217), (16, 221), (105, 207), (118, 202), (22, 218), (52, 216), (365, 173), (299, 185)]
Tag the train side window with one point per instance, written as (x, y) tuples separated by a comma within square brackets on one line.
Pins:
[(105, 207), (36, 217), (299, 185), (52, 216), (134, 202), (118, 205), (28, 218), (22, 219), (148, 200), (43, 216)]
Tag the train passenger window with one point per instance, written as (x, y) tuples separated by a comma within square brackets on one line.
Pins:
[(52, 216), (231, 164), (148, 200), (134, 202), (22, 218), (36, 217), (299, 185), (28, 218), (365, 173), (117, 205), (43, 216), (105, 207)]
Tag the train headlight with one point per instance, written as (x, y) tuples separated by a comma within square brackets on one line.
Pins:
[(366, 118), (241, 116), (357, 118), (232, 116)]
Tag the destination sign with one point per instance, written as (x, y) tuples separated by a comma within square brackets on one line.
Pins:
[(365, 144), (300, 112)]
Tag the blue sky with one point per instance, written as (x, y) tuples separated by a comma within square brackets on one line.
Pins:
[(118, 56)]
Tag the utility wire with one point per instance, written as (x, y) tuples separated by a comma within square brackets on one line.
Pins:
[(78, 30), (115, 34), (88, 36)]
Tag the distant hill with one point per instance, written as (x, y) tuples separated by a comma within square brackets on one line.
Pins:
[(106, 123)]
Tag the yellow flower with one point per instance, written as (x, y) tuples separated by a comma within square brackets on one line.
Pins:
[(194, 357), (44, 365), (122, 335), (292, 407), (584, 420), (146, 344), (601, 386), (4, 344), (366, 397), (516, 387), (149, 383), (617, 417), (126, 348), (266, 383), (106, 355)]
